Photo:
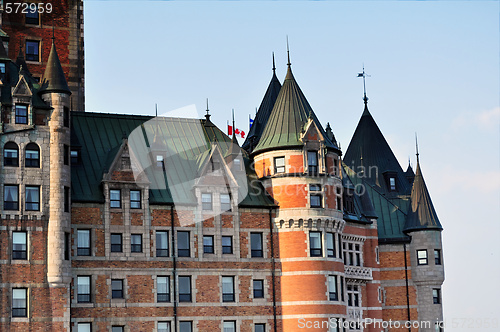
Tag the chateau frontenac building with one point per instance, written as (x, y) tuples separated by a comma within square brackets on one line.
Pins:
[(121, 222)]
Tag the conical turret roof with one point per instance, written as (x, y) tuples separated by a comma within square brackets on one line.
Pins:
[(21, 62), (368, 148), (53, 78), (421, 214), (288, 118), (262, 116)]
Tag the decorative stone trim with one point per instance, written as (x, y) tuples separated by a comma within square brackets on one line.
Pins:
[(358, 273), (329, 224)]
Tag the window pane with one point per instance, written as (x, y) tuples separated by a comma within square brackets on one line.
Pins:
[(163, 326), (163, 289), (208, 244), (227, 244), (32, 50), (258, 289), (84, 327), (136, 243), (117, 329), (135, 199), (185, 327), (184, 245), (11, 198), (330, 244), (315, 243), (19, 302), (206, 202), (279, 165), (32, 198), (83, 242), (260, 328), (229, 327), (315, 201), (83, 289), (116, 242), (225, 202), (256, 244), (117, 288), (228, 289), (114, 197), (161, 244), (184, 289), (19, 247)]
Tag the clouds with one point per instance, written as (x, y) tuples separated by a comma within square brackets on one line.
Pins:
[(486, 121)]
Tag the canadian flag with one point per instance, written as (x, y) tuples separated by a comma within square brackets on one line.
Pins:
[(237, 131)]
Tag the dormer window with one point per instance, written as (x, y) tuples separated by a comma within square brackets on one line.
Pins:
[(2, 70), (312, 162), (159, 160), (315, 195), (21, 114), (75, 157), (225, 202), (392, 183), (206, 202)]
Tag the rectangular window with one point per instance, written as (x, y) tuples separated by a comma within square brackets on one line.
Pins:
[(163, 289), (332, 288), (315, 195), (312, 162), (115, 200), (422, 257), (83, 289), (10, 197), (75, 157), (32, 16), (66, 155), (256, 245), (136, 243), (84, 327), (227, 289), (32, 198), (279, 165), (163, 326), (159, 161), (66, 199), (32, 50), (161, 244), (67, 246), (342, 295), (117, 288), (19, 302), (32, 156), (353, 296), (260, 327), (229, 326), (184, 289), (135, 199), (208, 244), (83, 242), (11, 154), (330, 244), (340, 245), (227, 244), (258, 288), (183, 247), (392, 182), (316, 201), (437, 257), (116, 328), (315, 244), (225, 202), (185, 326), (66, 116), (436, 296), (19, 245), (206, 202), (21, 114), (116, 242)]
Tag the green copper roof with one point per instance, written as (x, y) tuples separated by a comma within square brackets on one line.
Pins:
[(99, 136), (288, 117), (263, 114), (421, 214), (391, 212), (368, 149), (53, 78)]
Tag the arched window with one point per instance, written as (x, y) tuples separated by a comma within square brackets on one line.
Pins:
[(11, 154), (32, 155)]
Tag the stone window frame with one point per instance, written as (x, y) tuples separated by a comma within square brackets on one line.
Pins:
[(87, 323), (336, 297), (91, 246), (437, 257), (353, 290), (233, 322), (135, 245), (123, 328), (191, 293), (10, 146), (436, 296), (164, 322), (313, 170), (213, 244), (31, 186), (231, 247), (207, 205), (187, 321), (116, 244), (119, 200), (32, 146), (19, 119), (279, 167), (255, 324), (190, 250), (353, 253), (225, 207), (123, 288), (310, 251), (40, 46), (262, 245), (14, 202), (30, 21), (132, 207), (263, 297), (316, 192)]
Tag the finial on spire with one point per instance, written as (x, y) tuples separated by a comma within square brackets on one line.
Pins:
[(234, 128), (288, 52), (53, 33), (416, 144), (207, 105), (156, 109), (274, 66), (207, 116), (364, 75)]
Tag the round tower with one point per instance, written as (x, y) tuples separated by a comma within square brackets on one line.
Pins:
[(427, 267), (54, 91), (297, 162)]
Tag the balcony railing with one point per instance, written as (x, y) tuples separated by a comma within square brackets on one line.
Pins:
[(358, 272)]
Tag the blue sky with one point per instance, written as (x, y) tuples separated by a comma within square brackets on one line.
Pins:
[(434, 69)]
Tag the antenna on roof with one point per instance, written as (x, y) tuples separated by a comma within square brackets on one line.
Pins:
[(234, 128), (416, 144), (288, 51), (364, 75)]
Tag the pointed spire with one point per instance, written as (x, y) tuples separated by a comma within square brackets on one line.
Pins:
[(288, 52), (53, 78), (20, 61), (207, 116), (234, 128), (416, 147), (274, 65), (421, 215), (364, 75)]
